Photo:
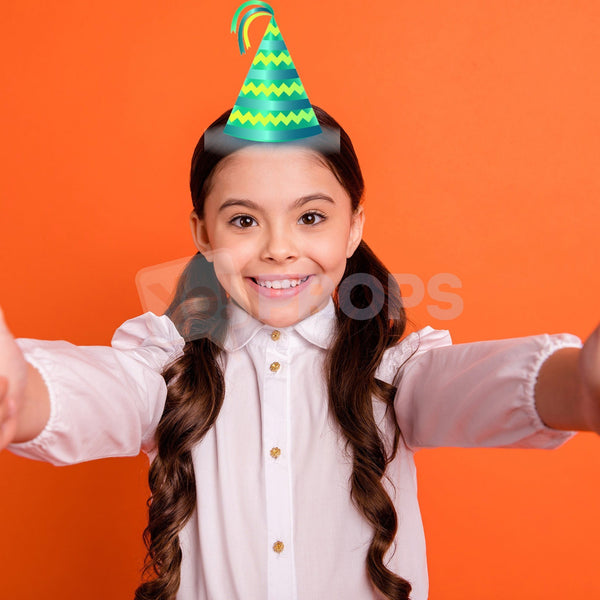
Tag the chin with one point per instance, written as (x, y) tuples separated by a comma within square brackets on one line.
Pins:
[(283, 322), (280, 314), (280, 320), (280, 317)]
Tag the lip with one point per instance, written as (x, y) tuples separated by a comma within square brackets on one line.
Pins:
[(279, 277), (279, 293)]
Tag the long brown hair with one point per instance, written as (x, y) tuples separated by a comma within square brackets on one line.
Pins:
[(195, 386)]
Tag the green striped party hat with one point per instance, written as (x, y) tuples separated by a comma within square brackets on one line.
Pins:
[(272, 105)]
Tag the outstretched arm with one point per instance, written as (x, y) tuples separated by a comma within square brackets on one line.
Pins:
[(480, 394), (65, 404), (567, 391)]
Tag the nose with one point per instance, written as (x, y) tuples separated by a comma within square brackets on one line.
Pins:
[(279, 245)]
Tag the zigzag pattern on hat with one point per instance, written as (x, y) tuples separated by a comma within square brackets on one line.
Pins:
[(271, 119), (283, 88), (276, 59), (272, 105)]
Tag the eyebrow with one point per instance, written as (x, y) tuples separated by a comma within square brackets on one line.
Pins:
[(252, 205)]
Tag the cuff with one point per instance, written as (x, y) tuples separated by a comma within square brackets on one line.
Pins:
[(35, 448), (547, 436)]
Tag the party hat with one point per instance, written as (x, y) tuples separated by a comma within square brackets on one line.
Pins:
[(272, 105)]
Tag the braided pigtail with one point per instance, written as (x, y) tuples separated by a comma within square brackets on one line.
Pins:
[(353, 359), (195, 391)]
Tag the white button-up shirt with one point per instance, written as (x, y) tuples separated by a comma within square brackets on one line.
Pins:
[(274, 519)]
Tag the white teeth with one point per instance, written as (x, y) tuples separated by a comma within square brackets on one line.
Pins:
[(282, 284)]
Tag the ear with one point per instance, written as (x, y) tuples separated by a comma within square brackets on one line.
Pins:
[(356, 231), (200, 235)]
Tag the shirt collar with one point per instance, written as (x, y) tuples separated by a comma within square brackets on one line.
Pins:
[(320, 327), (317, 328)]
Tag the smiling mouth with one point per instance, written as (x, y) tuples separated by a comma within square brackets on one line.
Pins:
[(279, 284)]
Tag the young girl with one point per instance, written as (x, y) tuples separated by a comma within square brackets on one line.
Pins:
[(277, 399)]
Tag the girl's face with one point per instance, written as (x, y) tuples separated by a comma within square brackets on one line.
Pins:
[(278, 227)]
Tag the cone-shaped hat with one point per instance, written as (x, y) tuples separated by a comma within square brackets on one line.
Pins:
[(272, 105)]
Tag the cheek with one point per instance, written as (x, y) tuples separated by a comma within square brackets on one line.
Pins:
[(228, 262), (236, 250), (232, 262), (332, 248), (330, 254)]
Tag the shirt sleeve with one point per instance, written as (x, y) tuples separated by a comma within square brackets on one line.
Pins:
[(104, 401), (474, 395)]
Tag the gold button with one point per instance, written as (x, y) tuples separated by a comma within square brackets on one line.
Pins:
[(275, 452), (274, 366), (278, 547), (275, 335)]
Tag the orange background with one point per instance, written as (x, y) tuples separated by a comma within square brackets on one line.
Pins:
[(478, 128)]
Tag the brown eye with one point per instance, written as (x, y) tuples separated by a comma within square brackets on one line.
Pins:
[(311, 218), (243, 221)]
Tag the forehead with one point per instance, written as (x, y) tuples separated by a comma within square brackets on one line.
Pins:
[(268, 165)]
